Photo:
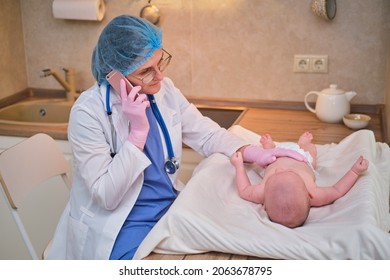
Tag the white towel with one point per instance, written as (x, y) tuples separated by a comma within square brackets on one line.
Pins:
[(209, 215)]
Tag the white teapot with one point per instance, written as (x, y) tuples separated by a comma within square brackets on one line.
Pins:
[(332, 104)]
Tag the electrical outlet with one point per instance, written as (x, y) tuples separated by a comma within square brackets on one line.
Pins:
[(301, 63), (319, 64), (311, 63)]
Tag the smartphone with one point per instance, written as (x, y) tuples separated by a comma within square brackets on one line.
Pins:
[(114, 78)]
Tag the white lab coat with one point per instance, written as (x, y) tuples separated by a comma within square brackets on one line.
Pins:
[(105, 189)]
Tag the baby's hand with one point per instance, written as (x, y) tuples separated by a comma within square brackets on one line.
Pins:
[(360, 165), (236, 159)]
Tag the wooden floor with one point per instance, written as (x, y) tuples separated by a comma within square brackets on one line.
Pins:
[(286, 125)]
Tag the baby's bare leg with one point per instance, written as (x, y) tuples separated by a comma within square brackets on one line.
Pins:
[(267, 142), (305, 143)]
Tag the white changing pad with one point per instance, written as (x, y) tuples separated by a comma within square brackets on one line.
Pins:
[(209, 215)]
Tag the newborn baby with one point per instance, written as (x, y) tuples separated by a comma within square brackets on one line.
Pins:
[(288, 188)]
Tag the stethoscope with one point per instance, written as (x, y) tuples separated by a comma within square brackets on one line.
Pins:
[(171, 164)]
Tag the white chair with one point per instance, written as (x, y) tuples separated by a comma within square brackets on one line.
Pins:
[(23, 169)]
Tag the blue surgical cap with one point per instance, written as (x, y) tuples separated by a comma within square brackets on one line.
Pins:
[(125, 44)]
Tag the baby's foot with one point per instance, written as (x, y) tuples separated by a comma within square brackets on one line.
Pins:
[(305, 138), (266, 141)]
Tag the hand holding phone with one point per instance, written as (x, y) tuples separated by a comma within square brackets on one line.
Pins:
[(134, 109)]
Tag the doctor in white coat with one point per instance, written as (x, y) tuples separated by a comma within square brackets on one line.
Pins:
[(127, 146)]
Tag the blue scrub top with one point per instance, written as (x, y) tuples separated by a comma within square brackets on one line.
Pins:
[(156, 196)]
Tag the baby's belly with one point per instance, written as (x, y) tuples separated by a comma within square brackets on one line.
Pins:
[(286, 163)]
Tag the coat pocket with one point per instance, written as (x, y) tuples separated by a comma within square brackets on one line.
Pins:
[(77, 236)]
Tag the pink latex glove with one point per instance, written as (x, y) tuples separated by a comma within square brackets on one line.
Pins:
[(134, 107), (264, 157)]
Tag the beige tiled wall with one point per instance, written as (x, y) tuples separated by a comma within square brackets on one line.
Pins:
[(230, 48), (13, 75)]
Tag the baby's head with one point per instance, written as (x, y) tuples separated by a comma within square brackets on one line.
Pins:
[(286, 199)]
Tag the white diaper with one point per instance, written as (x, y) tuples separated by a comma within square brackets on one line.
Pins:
[(295, 147)]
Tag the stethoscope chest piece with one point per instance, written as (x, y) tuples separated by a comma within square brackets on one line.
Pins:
[(171, 166)]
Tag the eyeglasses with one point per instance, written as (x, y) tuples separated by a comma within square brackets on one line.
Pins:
[(161, 65)]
